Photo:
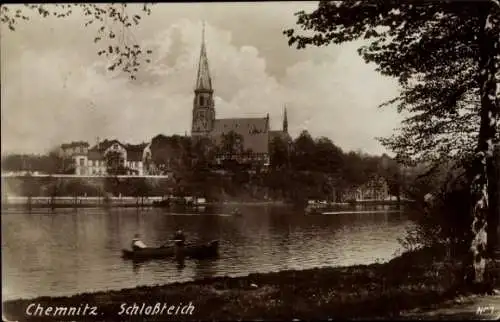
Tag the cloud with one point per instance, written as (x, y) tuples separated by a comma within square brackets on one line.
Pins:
[(58, 93)]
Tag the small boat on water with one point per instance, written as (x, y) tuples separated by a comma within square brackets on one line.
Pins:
[(200, 251), (236, 212)]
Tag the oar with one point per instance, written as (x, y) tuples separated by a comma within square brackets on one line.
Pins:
[(171, 240)]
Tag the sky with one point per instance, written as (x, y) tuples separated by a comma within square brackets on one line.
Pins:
[(55, 88)]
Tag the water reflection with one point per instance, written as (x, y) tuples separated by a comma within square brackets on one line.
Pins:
[(64, 252), (181, 263), (136, 267), (205, 268)]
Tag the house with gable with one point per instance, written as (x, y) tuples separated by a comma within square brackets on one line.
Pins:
[(94, 162)]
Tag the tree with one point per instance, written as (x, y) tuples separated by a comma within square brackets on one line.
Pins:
[(354, 170), (140, 188), (50, 163), (303, 148), (445, 56), (54, 163), (171, 154), (13, 162), (392, 173), (328, 156), (279, 153), (114, 23), (203, 152)]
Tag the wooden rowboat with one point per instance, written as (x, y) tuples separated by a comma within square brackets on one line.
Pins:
[(201, 251)]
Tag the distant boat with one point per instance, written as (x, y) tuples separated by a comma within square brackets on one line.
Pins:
[(236, 212), (200, 251), (311, 209)]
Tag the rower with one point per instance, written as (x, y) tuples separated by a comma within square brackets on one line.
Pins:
[(137, 243), (179, 238)]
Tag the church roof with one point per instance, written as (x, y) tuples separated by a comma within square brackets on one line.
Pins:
[(255, 132), (203, 80)]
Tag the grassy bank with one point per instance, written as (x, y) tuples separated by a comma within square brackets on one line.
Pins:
[(413, 280)]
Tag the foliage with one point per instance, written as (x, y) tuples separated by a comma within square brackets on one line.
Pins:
[(328, 156), (279, 151), (171, 153), (114, 23), (442, 210), (203, 153), (446, 57), (430, 48), (302, 168), (302, 151), (49, 163)]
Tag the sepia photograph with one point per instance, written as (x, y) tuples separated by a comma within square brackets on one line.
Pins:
[(250, 161)]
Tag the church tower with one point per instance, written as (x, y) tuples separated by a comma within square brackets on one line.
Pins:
[(203, 104), (285, 122)]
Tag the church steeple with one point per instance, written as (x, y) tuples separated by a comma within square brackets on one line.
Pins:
[(203, 103), (203, 80), (285, 121)]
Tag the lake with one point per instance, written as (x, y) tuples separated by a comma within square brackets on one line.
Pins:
[(64, 252)]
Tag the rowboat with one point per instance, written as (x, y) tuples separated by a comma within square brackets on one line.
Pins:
[(236, 212), (207, 250)]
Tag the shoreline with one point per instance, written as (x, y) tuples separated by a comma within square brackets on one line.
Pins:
[(149, 202), (417, 280), (200, 209)]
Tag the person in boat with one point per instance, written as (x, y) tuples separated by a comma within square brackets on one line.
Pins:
[(137, 243), (179, 238)]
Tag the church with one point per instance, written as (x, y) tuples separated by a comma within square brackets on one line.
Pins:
[(255, 132)]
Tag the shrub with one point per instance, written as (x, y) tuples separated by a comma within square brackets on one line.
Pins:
[(442, 218)]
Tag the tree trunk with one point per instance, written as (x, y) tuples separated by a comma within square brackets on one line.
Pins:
[(494, 204), (488, 48)]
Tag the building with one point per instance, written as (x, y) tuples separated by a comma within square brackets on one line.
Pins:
[(255, 133), (69, 150), (375, 189), (94, 161), (71, 154)]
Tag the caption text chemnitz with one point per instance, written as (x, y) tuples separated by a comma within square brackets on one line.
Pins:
[(159, 308)]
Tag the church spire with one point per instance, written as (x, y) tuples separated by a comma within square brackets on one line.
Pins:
[(203, 80), (285, 121)]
